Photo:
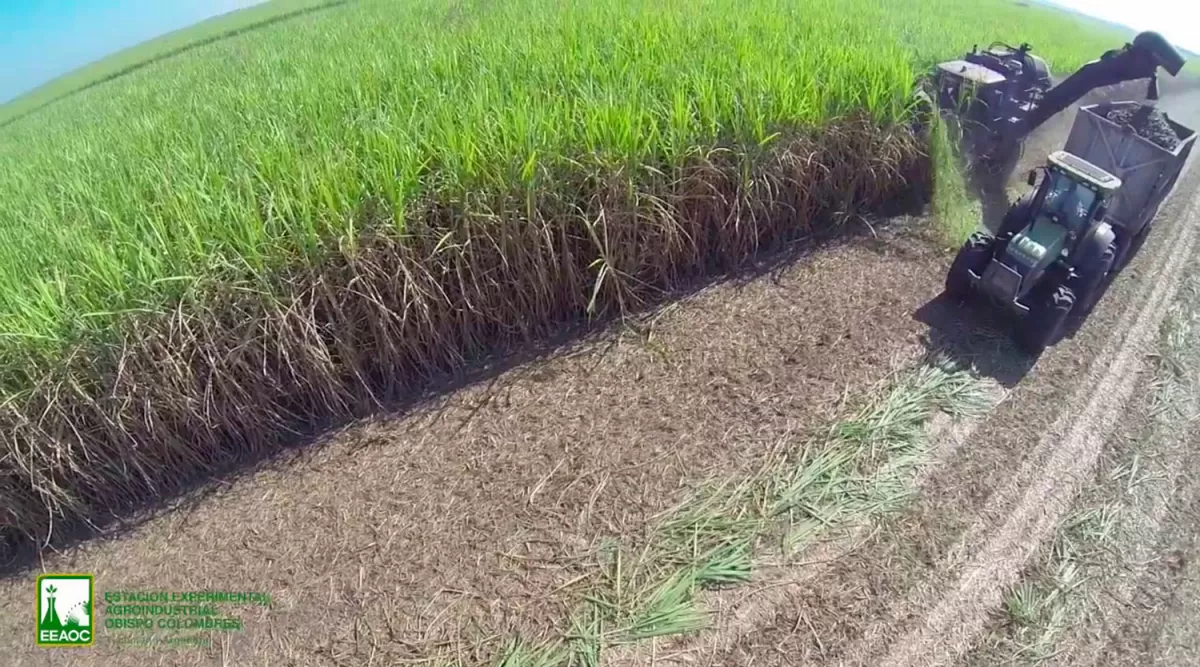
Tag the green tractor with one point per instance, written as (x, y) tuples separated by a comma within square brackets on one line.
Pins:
[(1050, 260)]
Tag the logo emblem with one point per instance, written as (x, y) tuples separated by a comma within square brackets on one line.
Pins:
[(64, 610)]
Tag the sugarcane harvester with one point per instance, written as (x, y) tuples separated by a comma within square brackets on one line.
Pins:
[(1002, 95), (1092, 204)]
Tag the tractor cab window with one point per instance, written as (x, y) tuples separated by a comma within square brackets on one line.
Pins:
[(1068, 200)]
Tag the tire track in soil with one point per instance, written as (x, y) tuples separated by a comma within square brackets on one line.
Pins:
[(1061, 461), (738, 613), (1155, 519), (1132, 599), (868, 634)]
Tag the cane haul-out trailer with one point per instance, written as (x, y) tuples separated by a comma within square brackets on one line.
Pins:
[(1148, 170)]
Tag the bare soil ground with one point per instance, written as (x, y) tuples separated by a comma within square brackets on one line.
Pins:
[(473, 512), (1116, 584), (924, 590)]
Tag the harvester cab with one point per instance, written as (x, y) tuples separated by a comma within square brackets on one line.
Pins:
[(993, 83), (1005, 93), (1051, 253)]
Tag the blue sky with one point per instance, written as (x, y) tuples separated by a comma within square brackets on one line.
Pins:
[(42, 39)]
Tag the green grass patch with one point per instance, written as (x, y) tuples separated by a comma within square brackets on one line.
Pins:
[(860, 469), (956, 213), (1040, 610), (1051, 597)]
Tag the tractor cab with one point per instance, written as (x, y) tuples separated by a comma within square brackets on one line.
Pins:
[(1073, 193), (1051, 254), (1063, 215)]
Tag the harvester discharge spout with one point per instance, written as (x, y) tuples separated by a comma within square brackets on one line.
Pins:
[(1138, 60)]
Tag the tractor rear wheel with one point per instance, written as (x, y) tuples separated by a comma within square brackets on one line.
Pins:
[(974, 255), (1135, 244), (1091, 281), (1043, 326)]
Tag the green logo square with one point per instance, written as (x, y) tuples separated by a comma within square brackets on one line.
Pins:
[(64, 610)]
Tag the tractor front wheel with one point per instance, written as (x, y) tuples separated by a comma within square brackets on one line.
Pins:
[(974, 255), (1043, 326)]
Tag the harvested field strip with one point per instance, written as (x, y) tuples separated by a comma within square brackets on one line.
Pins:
[(1068, 604), (471, 507), (295, 226), (653, 587)]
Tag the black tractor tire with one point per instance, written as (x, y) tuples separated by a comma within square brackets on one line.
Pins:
[(974, 255), (1135, 245), (1091, 281), (1043, 325)]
